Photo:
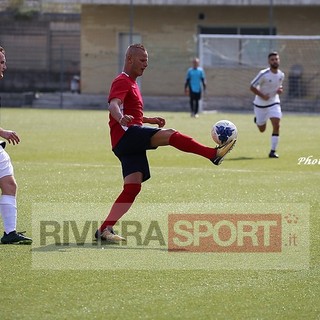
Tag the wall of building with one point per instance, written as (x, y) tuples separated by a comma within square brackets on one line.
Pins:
[(40, 51), (170, 35)]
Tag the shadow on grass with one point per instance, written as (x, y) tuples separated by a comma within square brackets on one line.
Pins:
[(245, 158), (93, 246)]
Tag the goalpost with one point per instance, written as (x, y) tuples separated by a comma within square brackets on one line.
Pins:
[(232, 61)]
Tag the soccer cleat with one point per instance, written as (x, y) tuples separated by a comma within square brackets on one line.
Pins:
[(273, 154), (222, 152), (15, 237), (109, 235)]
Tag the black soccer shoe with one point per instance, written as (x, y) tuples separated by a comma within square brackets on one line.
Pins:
[(15, 237), (273, 154)]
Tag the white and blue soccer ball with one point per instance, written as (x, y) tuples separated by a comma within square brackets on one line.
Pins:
[(223, 132)]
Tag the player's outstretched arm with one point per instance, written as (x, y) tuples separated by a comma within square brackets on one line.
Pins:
[(155, 120), (10, 136)]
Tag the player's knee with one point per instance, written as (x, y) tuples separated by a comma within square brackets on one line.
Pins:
[(169, 134), (262, 128), (9, 186), (171, 131)]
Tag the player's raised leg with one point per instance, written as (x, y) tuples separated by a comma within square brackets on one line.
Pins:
[(186, 143)]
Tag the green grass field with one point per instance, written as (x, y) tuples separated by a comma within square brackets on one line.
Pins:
[(65, 168)]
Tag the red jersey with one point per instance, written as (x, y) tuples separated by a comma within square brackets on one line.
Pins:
[(127, 90)]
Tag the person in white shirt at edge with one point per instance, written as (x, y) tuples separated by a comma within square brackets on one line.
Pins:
[(267, 86), (8, 185)]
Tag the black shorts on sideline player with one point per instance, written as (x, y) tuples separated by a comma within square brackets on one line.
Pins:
[(131, 150)]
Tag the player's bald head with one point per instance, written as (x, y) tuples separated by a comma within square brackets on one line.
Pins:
[(135, 49)]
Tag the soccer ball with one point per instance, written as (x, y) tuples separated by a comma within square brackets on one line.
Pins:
[(223, 132)]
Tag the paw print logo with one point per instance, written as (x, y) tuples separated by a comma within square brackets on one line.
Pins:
[(291, 218), (224, 133)]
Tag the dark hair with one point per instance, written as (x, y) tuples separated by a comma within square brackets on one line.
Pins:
[(273, 53)]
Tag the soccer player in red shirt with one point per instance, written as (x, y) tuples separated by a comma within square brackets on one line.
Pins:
[(130, 139)]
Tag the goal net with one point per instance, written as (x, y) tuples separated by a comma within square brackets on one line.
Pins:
[(232, 61)]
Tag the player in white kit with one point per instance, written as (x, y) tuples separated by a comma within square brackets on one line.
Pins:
[(8, 185), (267, 86)]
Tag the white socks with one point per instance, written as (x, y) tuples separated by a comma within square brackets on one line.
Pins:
[(8, 209), (274, 142)]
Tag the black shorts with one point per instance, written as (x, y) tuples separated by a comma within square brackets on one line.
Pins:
[(195, 95), (132, 150)]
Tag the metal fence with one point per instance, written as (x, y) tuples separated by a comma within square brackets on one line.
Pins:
[(232, 61), (42, 55)]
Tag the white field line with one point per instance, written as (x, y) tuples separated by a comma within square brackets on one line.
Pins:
[(105, 166)]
